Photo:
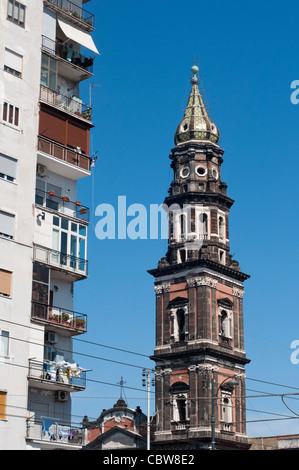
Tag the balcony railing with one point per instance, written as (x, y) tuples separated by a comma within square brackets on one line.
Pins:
[(67, 53), (62, 205), (57, 259), (74, 11), (57, 376), (72, 104), (54, 431), (64, 153), (58, 316)]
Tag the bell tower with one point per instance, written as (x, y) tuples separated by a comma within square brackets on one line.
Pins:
[(199, 353)]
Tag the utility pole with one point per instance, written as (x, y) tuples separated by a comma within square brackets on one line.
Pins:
[(146, 381)]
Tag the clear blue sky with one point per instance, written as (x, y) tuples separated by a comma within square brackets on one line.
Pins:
[(248, 57)]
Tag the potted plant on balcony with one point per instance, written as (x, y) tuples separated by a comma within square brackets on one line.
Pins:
[(83, 210), (51, 193), (87, 114), (65, 318), (78, 203), (65, 199), (80, 323)]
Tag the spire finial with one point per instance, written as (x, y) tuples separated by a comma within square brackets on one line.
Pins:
[(194, 70)]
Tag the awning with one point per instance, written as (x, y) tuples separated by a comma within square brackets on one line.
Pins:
[(77, 35)]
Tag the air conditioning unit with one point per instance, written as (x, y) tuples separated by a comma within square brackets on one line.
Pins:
[(50, 337), (61, 396), (41, 170)]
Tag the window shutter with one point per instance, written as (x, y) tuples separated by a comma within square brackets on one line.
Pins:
[(8, 166), (2, 405), (7, 222), (5, 282), (13, 60)]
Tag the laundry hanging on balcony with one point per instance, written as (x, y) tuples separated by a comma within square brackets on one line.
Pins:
[(63, 372), (76, 34)]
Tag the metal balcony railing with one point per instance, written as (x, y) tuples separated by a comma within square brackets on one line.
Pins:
[(68, 155), (54, 431), (57, 259), (70, 104), (75, 12), (59, 316), (62, 205), (57, 376), (67, 53)]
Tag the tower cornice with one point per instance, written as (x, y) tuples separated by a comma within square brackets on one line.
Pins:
[(204, 263)]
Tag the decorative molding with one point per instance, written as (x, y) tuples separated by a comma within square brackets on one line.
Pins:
[(238, 292), (202, 281), (162, 288)]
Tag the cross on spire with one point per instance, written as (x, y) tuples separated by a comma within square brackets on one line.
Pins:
[(121, 383)]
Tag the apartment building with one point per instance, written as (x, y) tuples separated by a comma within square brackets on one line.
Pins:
[(46, 51)]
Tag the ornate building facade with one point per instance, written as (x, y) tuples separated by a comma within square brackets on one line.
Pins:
[(199, 354)]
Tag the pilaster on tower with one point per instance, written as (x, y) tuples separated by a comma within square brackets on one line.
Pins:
[(199, 298)]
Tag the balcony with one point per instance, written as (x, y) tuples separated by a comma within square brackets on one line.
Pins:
[(52, 433), (62, 205), (52, 154), (67, 104), (72, 64), (58, 377), (72, 12), (63, 321), (75, 267)]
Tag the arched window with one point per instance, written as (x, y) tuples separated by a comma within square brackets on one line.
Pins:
[(181, 324), (171, 225), (183, 225), (221, 228), (226, 410), (178, 309), (180, 402), (203, 225), (225, 327)]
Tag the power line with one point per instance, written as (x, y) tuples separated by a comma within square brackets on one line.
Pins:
[(82, 340)]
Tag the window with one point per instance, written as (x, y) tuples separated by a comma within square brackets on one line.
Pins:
[(180, 402), (16, 12), (5, 283), (8, 168), (221, 227), (182, 256), (3, 404), (40, 290), (185, 172), (49, 72), (7, 225), (183, 225), (201, 170), (226, 410), (13, 63), (47, 195), (225, 326), (221, 257), (69, 243), (203, 225), (178, 311), (4, 343), (10, 114)]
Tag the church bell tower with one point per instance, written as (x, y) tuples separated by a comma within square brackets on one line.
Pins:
[(199, 353)]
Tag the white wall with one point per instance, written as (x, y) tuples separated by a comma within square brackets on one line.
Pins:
[(16, 255)]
